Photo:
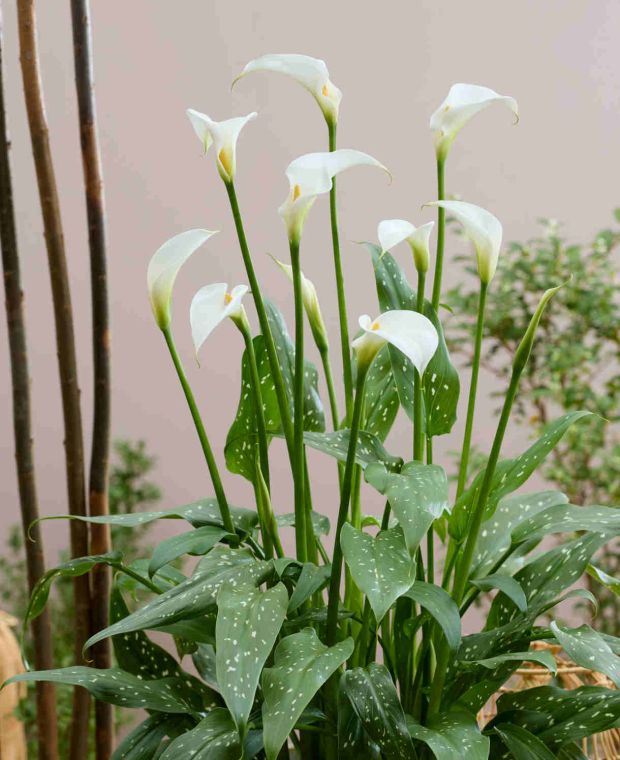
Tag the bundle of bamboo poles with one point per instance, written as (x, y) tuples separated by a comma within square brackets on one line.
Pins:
[(603, 746), (91, 594)]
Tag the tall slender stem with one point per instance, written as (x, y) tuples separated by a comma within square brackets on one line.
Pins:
[(65, 341), (261, 427), (331, 391), (202, 433), (100, 541), (473, 385), (301, 528), (418, 432), (47, 731), (334, 583), (272, 355), (342, 303), (441, 232)]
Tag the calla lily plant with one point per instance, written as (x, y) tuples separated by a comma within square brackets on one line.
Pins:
[(328, 615)]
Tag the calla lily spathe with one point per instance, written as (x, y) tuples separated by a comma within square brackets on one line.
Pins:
[(223, 135), (391, 232), (311, 175), (310, 300), (310, 72), (211, 305), (483, 229), (463, 102), (410, 332), (164, 267)]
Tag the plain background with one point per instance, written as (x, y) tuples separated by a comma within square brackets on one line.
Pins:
[(394, 62)]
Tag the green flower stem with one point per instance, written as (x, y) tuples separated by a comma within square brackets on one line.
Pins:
[(473, 385), (331, 391), (441, 232), (334, 583), (140, 578), (265, 527), (461, 575), (342, 304), (202, 434), (272, 355), (261, 427), (301, 537), (418, 432)]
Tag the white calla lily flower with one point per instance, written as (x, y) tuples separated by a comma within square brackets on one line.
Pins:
[(211, 305), (483, 229), (391, 232), (463, 102), (410, 332), (164, 267), (311, 175), (223, 135), (310, 72)]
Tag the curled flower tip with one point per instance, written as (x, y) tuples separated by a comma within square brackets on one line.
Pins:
[(310, 72), (211, 305), (462, 103), (410, 332), (483, 229), (391, 232), (311, 175), (223, 135), (164, 267)]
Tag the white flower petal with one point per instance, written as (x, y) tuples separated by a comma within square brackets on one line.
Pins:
[(483, 229), (310, 72), (391, 232), (410, 332), (164, 267), (463, 102), (211, 305), (223, 135), (311, 175)]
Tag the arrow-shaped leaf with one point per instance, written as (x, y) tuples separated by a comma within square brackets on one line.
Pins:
[(196, 543), (522, 744), (588, 649), (441, 606), (368, 451), (452, 735), (144, 742), (214, 738)]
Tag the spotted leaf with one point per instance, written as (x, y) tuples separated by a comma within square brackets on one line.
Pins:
[(302, 665), (214, 738), (441, 384), (380, 396), (452, 735), (196, 543), (144, 742), (521, 744), (368, 451), (588, 649), (441, 606)]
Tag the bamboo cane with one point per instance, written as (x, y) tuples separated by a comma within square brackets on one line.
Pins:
[(24, 454), (99, 462), (65, 340)]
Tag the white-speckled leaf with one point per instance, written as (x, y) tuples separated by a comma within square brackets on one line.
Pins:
[(380, 566), (320, 523), (452, 735), (311, 578), (542, 657), (585, 647), (568, 518), (302, 665), (418, 496), (145, 741), (442, 607), (521, 744), (441, 384), (373, 696), (506, 584), (380, 396), (368, 451), (353, 741), (248, 623), (196, 543), (214, 738), (193, 597), (123, 689)]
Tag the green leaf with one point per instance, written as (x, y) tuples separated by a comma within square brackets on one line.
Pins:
[(373, 696), (613, 584), (495, 535), (119, 688), (302, 665), (353, 741), (506, 584), (441, 384), (196, 543), (214, 738), (146, 739), (441, 606), (204, 662), (585, 647), (311, 579), (453, 735), (193, 597), (522, 744), (380, 566), (369, 448), (418, 495), (241, 440), (568, 518), (542, 657), (248, 623), (320, 523), (380, 396)]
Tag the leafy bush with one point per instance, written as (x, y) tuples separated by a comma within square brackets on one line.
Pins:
[(372, 662)]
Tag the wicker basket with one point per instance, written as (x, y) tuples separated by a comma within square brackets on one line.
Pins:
[(12, 738), (603, 746)]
